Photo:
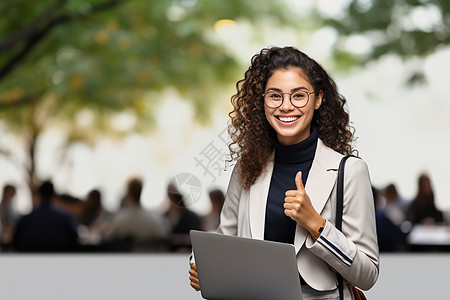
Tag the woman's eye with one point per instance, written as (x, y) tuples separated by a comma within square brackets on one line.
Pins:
[(299, 95), (275, 96)]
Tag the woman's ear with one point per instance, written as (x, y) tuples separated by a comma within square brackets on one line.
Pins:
[(319, 100)]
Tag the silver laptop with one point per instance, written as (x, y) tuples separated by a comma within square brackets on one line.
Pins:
[(231, 267)]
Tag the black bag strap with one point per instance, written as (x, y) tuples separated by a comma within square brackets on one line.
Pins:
[(339, 211), (340, 192)]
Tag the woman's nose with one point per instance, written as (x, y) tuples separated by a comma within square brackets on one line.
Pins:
[(286, 104)]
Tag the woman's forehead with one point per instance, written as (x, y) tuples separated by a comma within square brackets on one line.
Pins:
[(292, 73)]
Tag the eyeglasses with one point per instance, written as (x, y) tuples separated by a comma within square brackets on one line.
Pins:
[(298, 99)]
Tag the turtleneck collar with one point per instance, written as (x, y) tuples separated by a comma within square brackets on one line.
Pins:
[(297, 153)]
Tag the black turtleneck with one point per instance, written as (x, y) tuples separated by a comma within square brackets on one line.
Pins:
[(288, 161)]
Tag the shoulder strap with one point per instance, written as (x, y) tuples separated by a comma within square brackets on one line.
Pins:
[(339, 211), (340, 192)]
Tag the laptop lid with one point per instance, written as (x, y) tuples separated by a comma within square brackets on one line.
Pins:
[(231, 267)]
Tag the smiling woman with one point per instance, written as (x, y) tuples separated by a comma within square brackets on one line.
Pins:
[(289, 132)]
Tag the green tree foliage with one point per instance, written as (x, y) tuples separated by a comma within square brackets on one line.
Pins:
[(407, 28)]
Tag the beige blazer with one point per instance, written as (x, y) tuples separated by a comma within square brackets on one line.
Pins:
[(353, 252)]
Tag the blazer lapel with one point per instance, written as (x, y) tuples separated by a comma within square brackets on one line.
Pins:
[(319, 185), (258, 201)]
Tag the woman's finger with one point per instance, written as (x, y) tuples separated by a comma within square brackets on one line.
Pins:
[(194, 279), (193, 272), (195, 285), (290, 206), (291, 193)]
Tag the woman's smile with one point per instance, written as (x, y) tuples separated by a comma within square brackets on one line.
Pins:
[(287, 120)]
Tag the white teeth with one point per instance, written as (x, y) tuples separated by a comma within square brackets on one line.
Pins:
[(287, 119)]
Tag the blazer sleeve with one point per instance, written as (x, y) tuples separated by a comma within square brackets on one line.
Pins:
[(229, 214), (354, 251)]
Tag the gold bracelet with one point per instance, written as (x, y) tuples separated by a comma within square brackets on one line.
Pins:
[(316, 235)]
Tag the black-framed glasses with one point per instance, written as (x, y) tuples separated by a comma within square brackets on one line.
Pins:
[(299, 99)]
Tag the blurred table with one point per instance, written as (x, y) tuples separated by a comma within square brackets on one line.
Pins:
[(429, 238)]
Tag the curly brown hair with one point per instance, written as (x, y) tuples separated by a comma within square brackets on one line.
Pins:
[(252, 137)]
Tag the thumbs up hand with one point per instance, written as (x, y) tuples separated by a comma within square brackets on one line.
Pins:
[(298, 207)]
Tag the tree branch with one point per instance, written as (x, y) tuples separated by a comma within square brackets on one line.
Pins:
[(37, 36), (30, 29), (33, 40)]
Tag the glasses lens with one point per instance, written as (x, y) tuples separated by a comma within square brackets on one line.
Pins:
[(299, 99), (273, 99)]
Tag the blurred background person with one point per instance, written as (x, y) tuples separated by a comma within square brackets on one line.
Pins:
[(181, 220), (394, 205), (210, 222), (8, 216), (422, 209), (68, 203), (46, 228), (135, 228), (390, 236), (95, 220)]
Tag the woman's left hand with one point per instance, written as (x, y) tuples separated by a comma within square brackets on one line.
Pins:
[(298, 207)]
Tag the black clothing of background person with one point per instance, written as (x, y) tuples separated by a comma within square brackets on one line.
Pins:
[(46, 229), (423, 209)]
